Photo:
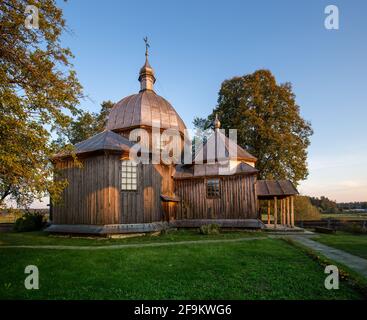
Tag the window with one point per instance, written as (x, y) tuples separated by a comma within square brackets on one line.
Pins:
[(129, 176), (213, 188)]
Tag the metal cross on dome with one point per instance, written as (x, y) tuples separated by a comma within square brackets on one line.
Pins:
[(146, 45)]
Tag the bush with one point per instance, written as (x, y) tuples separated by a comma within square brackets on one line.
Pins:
[(354, 228), (29, 222), (209, 229), (304, 210)]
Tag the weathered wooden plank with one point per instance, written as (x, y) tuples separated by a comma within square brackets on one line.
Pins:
[(237, 199), (224, 223)]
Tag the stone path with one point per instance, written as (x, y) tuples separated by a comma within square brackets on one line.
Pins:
[(353, 262), (132, 245)]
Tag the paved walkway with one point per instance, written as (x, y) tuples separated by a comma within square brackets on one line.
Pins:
[(132, 245), (353, 262)]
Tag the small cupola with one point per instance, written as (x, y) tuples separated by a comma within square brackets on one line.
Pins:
[(146, 74)]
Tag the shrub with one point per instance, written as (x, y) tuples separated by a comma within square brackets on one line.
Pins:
[(30, 221), (304, 210), (354, 228), (209, 229)]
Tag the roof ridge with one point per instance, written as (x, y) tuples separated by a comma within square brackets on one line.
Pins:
[(104, 137), (280, 186), (266, 185)]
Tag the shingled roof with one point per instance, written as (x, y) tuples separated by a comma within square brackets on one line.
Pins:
[(215, 169), (219, 147), (106, 140), (275, 188)]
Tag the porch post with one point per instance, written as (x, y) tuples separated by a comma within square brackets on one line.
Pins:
[(284, 213), (288, 213), (292, 211), (268, 211), (275, 212)]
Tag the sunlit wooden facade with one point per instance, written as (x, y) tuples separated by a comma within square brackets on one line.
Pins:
[(109, 193)]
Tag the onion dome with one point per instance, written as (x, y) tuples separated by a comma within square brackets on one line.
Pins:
[(144, 109)]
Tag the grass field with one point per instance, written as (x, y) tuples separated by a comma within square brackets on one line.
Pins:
[(353, 243), (254, 269), (42, 238), (345, 216), (9, 218), (338, 216)]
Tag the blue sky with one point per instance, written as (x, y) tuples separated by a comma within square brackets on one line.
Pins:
[(195, 45)]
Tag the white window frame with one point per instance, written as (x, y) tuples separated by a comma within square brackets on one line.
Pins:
[(129, 175)]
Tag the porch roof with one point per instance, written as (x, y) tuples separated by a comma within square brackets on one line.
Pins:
[(275, 188)]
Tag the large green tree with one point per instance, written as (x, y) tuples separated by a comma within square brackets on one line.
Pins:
[(84, 125), (39, 91), (268, 123)]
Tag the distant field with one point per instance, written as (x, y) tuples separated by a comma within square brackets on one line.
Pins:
[(339, 216), (345, 216), (6, 217)]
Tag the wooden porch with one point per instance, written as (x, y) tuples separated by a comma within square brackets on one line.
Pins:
[(276, 202)]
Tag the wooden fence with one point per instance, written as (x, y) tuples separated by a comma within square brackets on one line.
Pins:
[(335, 224)]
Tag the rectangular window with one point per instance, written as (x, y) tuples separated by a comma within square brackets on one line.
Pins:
[(213, 188), (129, 176)]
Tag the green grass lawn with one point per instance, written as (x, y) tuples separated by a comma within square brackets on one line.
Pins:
[(42, 238), (254, 269), (353, 243)]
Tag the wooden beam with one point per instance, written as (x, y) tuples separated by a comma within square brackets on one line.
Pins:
[(223, 223), (258, 209), (285, 211), (288, 213), (275, 212), (292, 211), (268, 211)]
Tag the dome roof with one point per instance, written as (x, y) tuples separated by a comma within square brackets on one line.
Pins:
[(145, 108)]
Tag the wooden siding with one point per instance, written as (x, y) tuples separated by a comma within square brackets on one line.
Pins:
[(90, 195), (94, 196), (145, 205), (237, 200)]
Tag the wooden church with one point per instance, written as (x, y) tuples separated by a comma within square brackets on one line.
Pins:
[(111, 193)]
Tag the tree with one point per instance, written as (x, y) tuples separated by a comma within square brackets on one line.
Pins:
[(85, 125), (325, 204), (39, 91), (268, 123), (305, 210), (202, 130)]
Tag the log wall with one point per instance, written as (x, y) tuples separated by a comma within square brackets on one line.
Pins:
[(94, 196), (237, 200), (90, 195)]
